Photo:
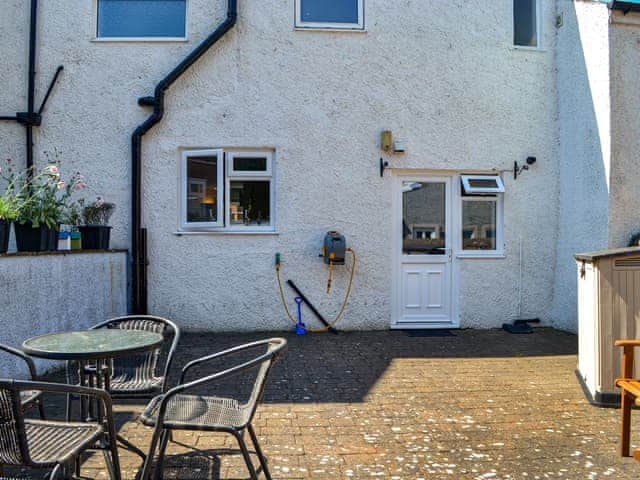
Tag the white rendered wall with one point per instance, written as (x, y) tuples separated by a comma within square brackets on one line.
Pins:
[(624, 204), (445, 79), (584, 144), (55, 292)]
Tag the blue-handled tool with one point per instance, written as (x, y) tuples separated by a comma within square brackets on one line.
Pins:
[(301, 328)]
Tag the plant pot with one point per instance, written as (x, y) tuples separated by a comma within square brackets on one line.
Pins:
[(95, 237), (5, 229), (40, 239)]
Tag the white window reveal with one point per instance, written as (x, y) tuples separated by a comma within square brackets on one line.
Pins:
[(526, 23), (141, 19), (482, 215), (227, 191), (330, 14), (481, 184)]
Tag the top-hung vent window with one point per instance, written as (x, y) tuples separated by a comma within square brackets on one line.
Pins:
[(481, 184), (526, 23), (133, 19), (330, 14)]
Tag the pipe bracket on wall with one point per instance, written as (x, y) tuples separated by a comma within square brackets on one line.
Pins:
[(383, 166)]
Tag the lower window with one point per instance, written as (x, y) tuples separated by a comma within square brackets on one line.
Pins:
[(481, 224), (227, 190)]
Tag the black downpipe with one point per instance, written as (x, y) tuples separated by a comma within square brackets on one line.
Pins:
[(32, 118), (139, 234), (31, 89)]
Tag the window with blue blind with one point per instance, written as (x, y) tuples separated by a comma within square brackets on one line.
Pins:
[(526, 31), (142, 18), (338, 14)]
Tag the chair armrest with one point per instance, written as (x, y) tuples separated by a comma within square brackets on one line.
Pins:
[(224, 353), (627, 343), (26, 358)]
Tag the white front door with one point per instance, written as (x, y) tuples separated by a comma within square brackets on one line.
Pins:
[(423, 231)]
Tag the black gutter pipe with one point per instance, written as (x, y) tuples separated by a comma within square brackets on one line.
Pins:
[(31, 89), (139, 234)]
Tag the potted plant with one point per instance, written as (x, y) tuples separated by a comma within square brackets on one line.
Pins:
[(96, 231), (43, 202), (8, 205)]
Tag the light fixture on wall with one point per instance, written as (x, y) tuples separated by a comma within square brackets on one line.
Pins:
[(518, 169)]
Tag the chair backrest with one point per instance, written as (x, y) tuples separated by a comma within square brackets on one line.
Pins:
[(23, 356), (144, 366), (276, 347), (13, 444)]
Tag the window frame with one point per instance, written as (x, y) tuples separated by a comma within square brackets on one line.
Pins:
[(184, 190), (539, 12), (232, 175), (299, 24), (469, 191), (226, 175), (498, 199), (98, 38)]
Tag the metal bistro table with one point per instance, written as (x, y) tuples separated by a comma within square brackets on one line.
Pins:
[(93, 351)]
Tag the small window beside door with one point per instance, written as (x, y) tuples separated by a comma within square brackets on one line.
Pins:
[(330, 14), (141, 19), (526, 23), (481, 212)]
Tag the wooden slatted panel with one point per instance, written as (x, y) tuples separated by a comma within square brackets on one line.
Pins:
[(619, 316)]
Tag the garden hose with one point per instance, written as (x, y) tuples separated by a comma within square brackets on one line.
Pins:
[(342, 308)]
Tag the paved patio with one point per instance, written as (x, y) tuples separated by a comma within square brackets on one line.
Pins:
[(476, 405)]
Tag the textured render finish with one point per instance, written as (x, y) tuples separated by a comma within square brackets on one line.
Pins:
[(624, 203), (584, 152), (51, 293), (444, 79), (461, 101)]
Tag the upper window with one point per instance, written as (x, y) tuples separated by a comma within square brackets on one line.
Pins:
[(332, 14), (141, 19), (231, 190), (526, 24)]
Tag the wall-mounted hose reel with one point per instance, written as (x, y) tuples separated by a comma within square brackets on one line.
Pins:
[(334, 251)]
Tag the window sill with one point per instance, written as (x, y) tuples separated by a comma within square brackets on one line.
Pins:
[(139, 40), (478, 255), (528, 49), (329, 30), (266, 233)]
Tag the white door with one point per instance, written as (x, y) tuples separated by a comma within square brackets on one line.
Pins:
[(423, 232)]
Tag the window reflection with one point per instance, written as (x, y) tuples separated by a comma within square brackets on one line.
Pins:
[(423, 218)]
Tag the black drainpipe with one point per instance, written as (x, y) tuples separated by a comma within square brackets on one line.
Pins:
[(139, 234), (31, 118)]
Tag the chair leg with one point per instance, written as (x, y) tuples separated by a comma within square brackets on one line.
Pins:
[(69, 406), (245, 453), (625, 432), (146, 467), (164, 439), (41, 408), (261, 457)]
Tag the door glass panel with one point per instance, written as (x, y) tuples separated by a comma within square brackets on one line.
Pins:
[(423, 218)]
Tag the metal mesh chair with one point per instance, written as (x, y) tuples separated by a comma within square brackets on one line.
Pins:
[(137, 376), (52, 444), (180, 409), (29, 398)]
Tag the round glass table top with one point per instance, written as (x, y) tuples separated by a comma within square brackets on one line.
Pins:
[(92, 344)]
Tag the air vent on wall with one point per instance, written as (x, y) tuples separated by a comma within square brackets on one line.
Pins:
[(629, 262)]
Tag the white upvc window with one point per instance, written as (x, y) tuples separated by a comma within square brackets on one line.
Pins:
[(227, 191), (527, 25), (329, 14), (141, 19), (249, 191), (481, 184), (482, 225)]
